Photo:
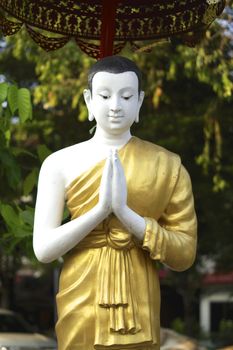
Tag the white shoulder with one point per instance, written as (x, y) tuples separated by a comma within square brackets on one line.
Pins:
[(52, 163), (57, 162)]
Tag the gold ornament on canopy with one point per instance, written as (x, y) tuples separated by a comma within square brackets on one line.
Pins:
[(103, 27)]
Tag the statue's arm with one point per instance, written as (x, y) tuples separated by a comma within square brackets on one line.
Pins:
[(51, 239), (173, 239)]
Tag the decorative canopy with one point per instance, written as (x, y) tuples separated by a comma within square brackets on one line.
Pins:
[(103, 27)]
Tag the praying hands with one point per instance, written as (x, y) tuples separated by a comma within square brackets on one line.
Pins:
[(113, 196)]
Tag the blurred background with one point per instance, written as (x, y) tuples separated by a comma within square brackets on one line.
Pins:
[(188, 109)]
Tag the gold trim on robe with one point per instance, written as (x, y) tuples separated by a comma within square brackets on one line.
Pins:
[(109, 295)]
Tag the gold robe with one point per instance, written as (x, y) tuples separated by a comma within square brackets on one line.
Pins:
[(109, 294)]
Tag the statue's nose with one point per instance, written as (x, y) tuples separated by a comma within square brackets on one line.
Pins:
[(115, 106), (115, 110)]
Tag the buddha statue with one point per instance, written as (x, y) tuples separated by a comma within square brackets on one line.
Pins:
[(131, 206)]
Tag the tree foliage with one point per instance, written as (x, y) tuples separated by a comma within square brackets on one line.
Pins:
[(15, 108)]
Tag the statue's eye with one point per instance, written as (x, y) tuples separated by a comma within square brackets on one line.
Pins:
[(127, 97), (105, 97)]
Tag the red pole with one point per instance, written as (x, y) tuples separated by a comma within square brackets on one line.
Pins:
[(108, 27)]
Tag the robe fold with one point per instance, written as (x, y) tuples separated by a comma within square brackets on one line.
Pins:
[(109, 295)]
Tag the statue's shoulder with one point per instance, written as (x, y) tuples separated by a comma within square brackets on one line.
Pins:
[(63, 157), (158, 152)]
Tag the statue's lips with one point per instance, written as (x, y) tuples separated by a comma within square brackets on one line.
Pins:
[(115, 119)]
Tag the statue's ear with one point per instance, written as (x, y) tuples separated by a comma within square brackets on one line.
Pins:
[(87, 98), (141, 98)]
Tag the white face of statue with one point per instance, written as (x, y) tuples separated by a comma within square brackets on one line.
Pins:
[(114, 101)]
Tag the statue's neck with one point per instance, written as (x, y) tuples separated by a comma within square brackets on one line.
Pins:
[(102, 138)]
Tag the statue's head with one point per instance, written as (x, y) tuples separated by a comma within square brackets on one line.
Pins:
[(116, 65), (114, 96)]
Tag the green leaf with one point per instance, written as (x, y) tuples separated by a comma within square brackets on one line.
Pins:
[(3, 92), (30, 182), (43, 152), (13, 98), (7, 113), (11, 168), (10, 215), (8, 136), (18, 222), (22, 231), (4, 124), (24, 105), (27, 216), (2, 144), (16, 151)]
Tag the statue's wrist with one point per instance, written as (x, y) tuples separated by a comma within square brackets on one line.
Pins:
[(101, 211), (122, 212)]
